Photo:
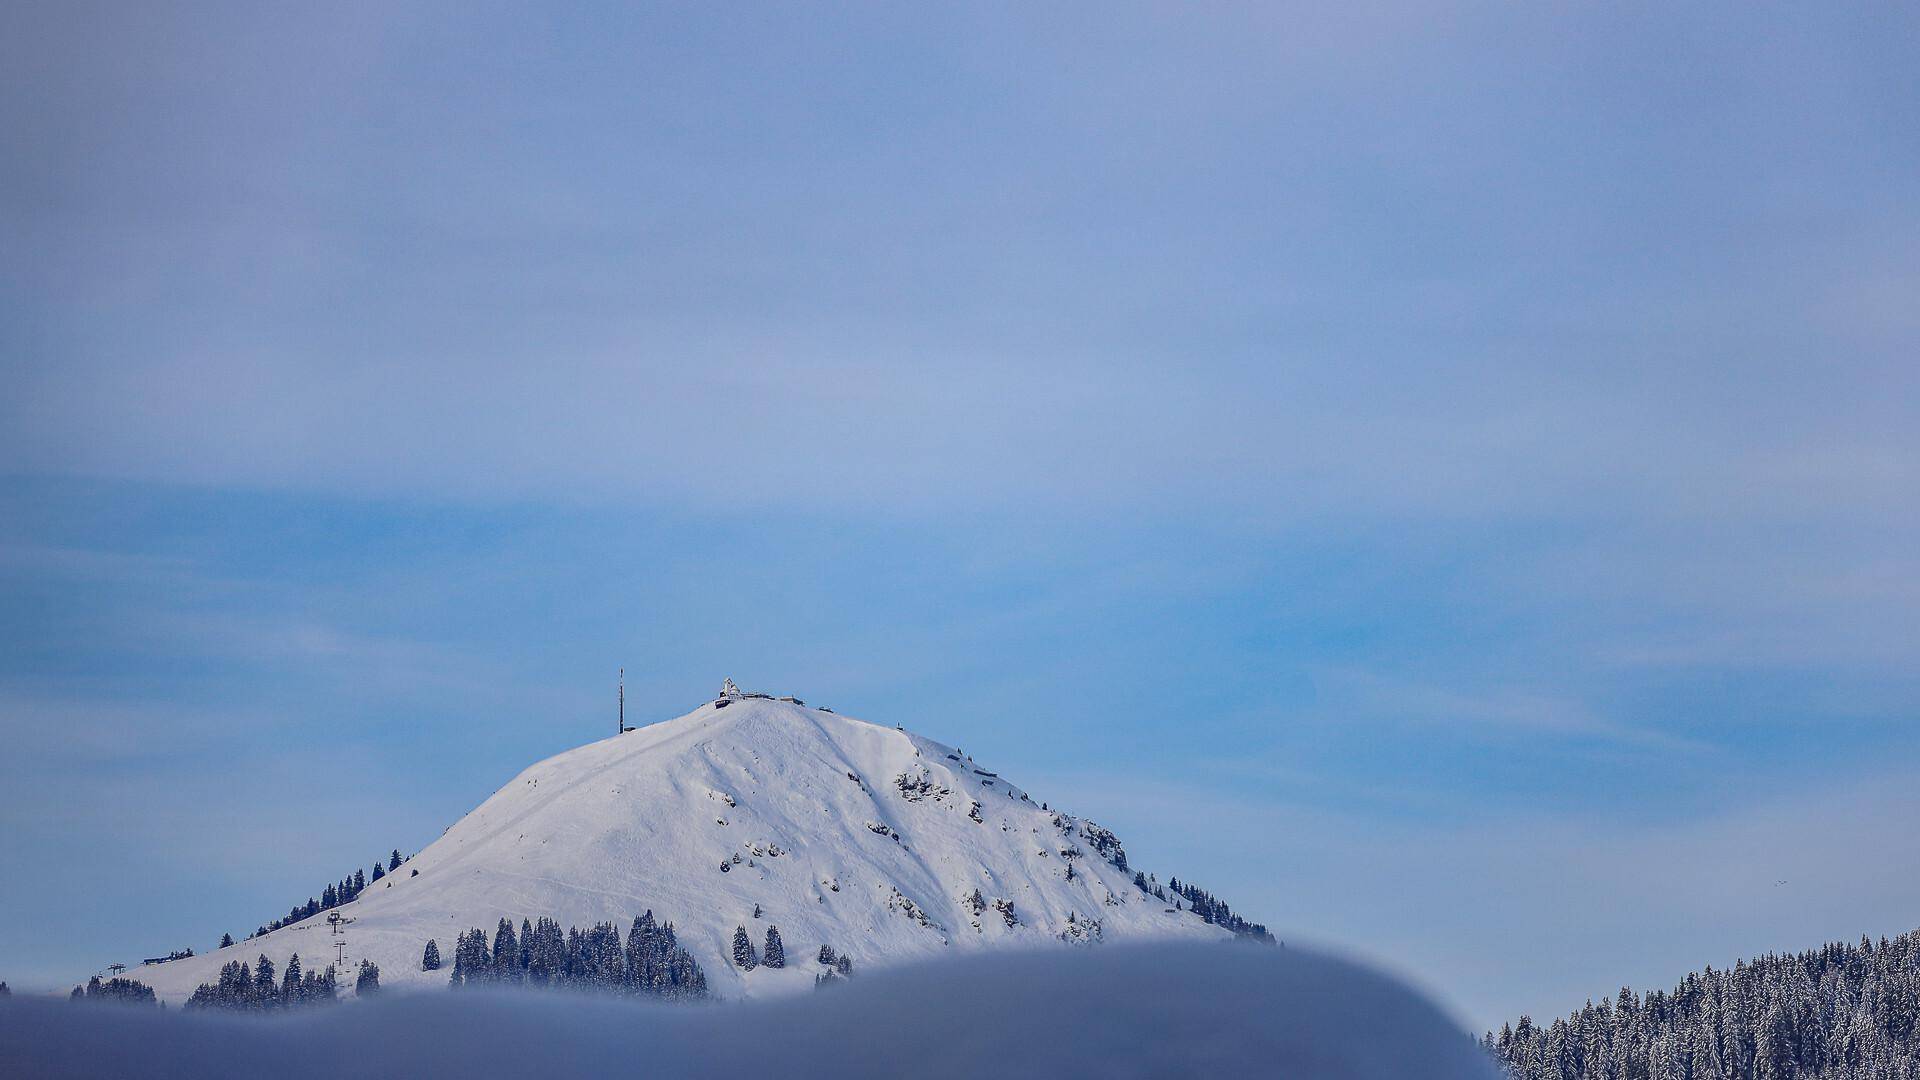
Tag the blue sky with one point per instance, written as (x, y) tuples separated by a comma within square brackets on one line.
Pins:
[(1442, 479)]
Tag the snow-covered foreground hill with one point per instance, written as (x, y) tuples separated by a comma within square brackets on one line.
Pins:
[(887, 846)]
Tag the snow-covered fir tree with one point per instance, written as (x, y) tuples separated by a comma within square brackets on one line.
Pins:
[(430, 958), (506, 953), (290, 982), (546, 953), (368, 981), (775, 952), (472, 960), (743, 955), (264, 996)]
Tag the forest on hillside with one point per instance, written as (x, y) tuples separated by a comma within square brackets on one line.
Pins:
[(1840, 1012)]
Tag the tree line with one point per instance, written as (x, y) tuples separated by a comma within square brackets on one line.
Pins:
[(256, 989), (1210, 908), (118, 991), (1840, 1012), (345, 891)]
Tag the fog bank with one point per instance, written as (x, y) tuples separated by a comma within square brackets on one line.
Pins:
[(1114, 1012)]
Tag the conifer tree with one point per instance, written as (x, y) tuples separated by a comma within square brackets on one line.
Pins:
[(264, 992), (611, 958), (686, 980), (743, 955), (640, 946), (290, 982), (776, 953), (546, 953), (430, 960), (506, 953), (394, 860), (226, 941), (471, 961), (368, 981)]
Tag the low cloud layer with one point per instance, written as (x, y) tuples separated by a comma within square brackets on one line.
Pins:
[(1113, 1012)]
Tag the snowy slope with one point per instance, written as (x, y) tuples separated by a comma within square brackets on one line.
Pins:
[(848, 833)]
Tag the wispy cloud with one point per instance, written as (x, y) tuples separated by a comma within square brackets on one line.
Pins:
[(1358, 695)]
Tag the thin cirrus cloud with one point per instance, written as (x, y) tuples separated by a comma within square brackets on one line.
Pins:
[(922, 435), (1468, 285)]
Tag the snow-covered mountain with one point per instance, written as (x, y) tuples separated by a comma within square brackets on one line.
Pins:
[(885, 845)]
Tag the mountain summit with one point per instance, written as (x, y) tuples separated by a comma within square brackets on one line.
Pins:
[(752, 811)]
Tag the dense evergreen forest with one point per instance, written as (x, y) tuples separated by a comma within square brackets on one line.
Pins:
[(1842, 1012), (651, 963)]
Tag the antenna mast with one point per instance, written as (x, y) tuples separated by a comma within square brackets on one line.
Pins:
[(623, 702)]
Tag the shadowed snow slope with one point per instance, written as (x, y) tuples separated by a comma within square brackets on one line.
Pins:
[(846, 833), (1119, 1012)]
